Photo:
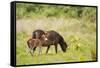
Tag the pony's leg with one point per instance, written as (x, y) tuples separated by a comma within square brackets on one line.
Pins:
[(56, 48), (47, 49)]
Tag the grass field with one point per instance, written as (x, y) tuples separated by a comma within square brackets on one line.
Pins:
[(80, 35)]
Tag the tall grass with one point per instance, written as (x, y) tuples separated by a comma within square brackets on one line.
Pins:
[(81, 41)]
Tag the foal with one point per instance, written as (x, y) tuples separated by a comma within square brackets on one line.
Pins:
[(33, 43)]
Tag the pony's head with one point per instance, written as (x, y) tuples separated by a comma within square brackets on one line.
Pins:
[(64, 46)]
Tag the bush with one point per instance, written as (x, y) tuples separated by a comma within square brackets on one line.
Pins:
[(37, 10)]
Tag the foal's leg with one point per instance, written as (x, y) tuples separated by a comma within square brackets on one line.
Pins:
[(34, 49), (30, 52), (56, 48), (47, 49), (40, 47), (30, 48), (40, 50)]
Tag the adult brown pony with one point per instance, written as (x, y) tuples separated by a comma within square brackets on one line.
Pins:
[(55, 38)]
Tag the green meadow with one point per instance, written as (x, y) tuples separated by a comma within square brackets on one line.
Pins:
[(77, 25)]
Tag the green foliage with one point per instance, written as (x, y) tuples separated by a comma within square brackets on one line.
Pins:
[(40, 11)]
